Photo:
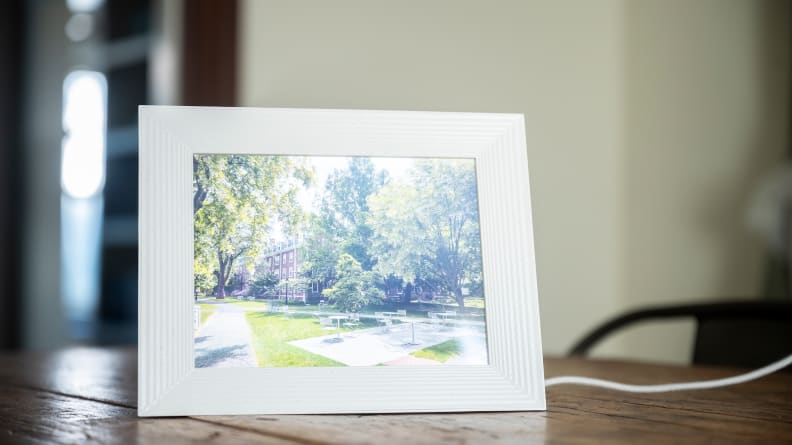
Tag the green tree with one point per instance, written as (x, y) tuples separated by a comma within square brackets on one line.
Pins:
[(427, 230), (297, 285), (355, 287), (319, 252), (345, 207), (203, 283), (235, 198), (265, 284)]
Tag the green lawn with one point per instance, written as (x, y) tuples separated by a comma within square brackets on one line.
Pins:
[(368, 310), (250, 304), (440, 352), (474, 302), (271, 332), (226, 299), (413, 310), (206, 311), (256, 304)]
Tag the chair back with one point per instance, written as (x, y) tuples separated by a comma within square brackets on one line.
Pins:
[(747, 334)]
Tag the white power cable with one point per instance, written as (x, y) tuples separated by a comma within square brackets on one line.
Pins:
[(667, 387)]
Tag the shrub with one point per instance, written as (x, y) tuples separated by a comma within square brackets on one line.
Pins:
[(264, 284), (354, 287)]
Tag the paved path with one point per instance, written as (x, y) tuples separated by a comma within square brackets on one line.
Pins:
[(225, 340), (372, 346)]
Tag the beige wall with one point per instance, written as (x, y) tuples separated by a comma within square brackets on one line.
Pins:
[(707, 97), (600, 155)]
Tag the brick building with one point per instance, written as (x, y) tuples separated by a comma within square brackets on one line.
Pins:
[(283, 260)]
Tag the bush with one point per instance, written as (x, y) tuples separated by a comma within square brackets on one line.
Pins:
[(203, 284), (265, 284), (355, 288)]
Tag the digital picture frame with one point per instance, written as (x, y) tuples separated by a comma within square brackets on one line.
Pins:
[(335, 261)]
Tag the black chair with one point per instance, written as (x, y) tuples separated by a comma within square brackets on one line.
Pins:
[(747, 334)]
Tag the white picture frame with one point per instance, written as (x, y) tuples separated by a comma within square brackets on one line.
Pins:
[(168, 382)]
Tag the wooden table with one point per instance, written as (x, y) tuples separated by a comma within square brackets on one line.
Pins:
[(86, 395)]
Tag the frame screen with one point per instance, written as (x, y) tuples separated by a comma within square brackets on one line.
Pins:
[(305, 261)]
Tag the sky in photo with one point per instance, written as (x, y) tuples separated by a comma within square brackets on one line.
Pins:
[(324, 166)]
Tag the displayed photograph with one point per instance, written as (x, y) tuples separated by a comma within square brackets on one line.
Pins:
[(304, 261)]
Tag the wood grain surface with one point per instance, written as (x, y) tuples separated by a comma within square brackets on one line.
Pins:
[(87, 395)]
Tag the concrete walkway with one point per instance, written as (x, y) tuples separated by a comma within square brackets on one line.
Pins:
[(225, 340), (370, 347)]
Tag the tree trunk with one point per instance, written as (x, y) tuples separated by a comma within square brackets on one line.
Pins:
[(201, 192), (459, 297), (221, 277), (220, 290)]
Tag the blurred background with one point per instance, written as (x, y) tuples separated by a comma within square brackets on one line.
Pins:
[(658, 139)]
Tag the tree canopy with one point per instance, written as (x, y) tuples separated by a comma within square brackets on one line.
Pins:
[(235, 199), (340, 223), (344, 207), (366, 232), (427, 229)]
